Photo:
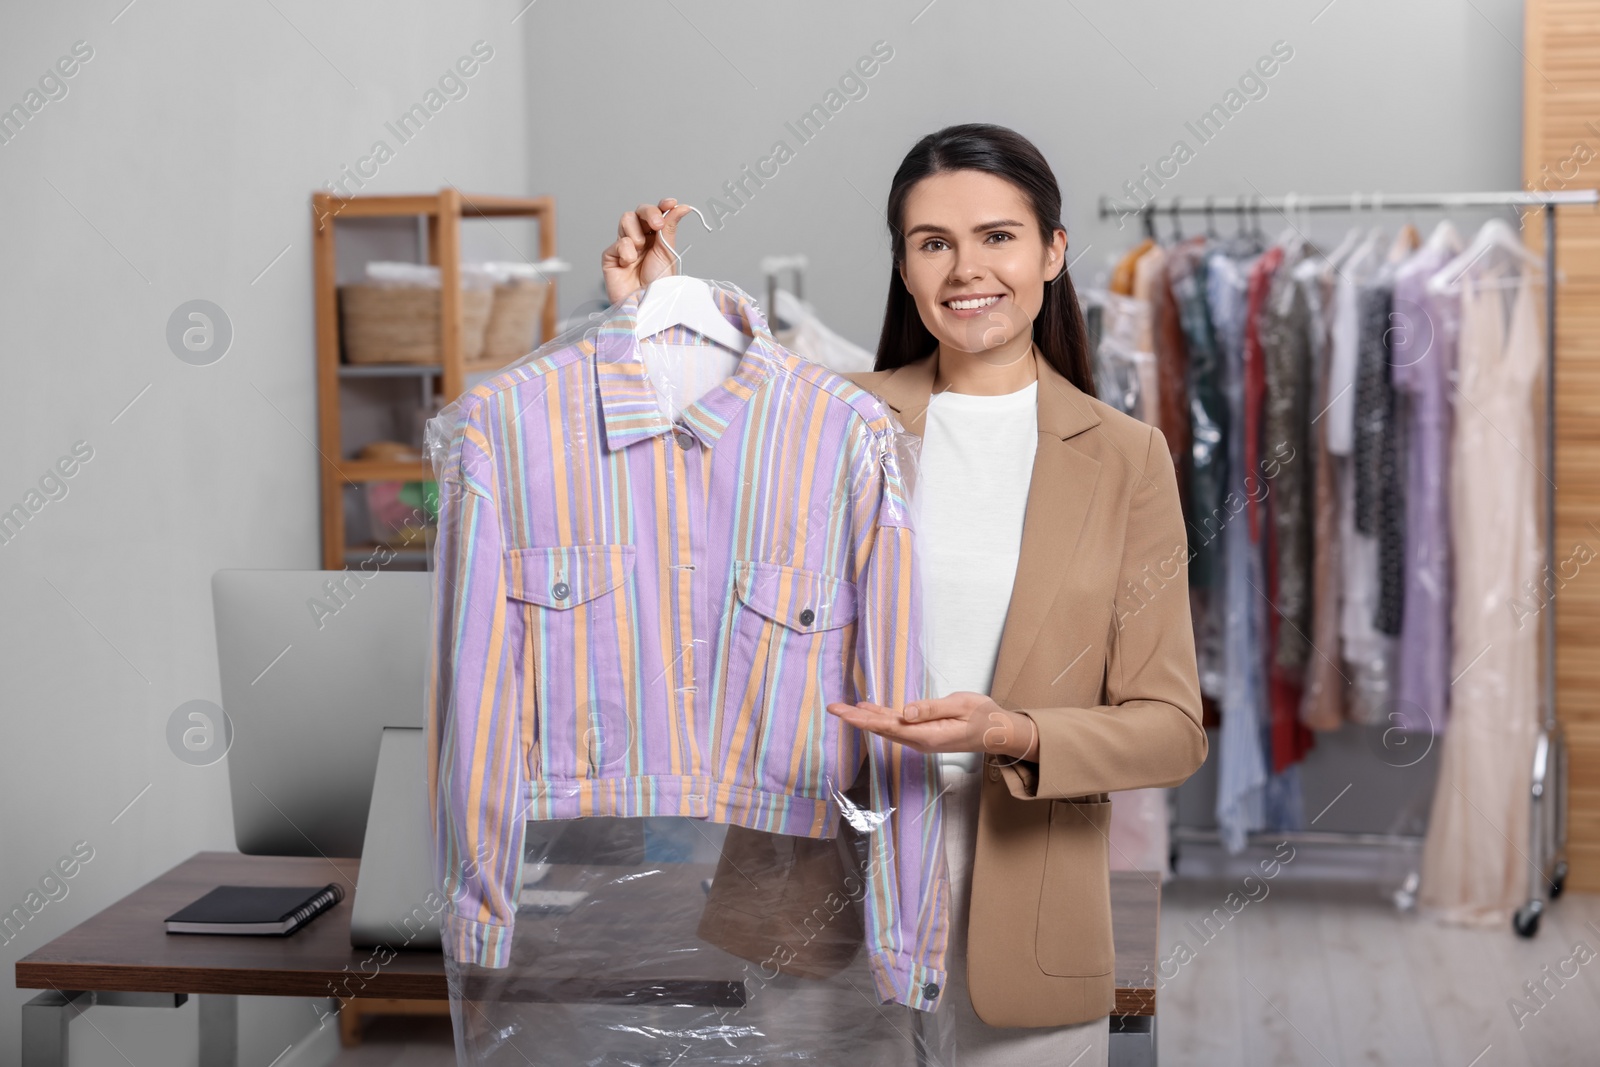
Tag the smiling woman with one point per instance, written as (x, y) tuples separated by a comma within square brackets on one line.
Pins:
[(1036, 505)]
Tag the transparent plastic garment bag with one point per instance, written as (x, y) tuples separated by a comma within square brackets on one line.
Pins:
[(658, 561)]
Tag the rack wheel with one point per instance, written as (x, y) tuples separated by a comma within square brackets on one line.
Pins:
[(1525, 921), (1558, 879)]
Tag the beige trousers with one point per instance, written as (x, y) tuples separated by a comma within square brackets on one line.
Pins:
[(971, 1041)]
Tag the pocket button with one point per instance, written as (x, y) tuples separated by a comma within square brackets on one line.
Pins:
[(807, 617), (560, 590)]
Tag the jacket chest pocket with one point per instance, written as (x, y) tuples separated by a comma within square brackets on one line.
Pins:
[(571, 623), (1074, 932), (786, 641)]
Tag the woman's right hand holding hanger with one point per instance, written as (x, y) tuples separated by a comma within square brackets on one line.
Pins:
[(640, 253)]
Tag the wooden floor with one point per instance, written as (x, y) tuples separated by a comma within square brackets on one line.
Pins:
[(1314, 973), (1332, 974)]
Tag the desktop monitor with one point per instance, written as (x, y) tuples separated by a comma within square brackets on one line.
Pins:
[(314, 665)]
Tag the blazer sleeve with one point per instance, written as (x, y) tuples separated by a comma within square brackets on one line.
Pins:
[(1149, 731)]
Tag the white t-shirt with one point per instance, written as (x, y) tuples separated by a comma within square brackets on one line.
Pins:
[(971, 493)]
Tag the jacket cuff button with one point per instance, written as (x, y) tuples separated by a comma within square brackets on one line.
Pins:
[(931, 990)]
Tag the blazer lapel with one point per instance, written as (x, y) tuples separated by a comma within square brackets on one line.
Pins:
[(906, 390), (1060, 492)]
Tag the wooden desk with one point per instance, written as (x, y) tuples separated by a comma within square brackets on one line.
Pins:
[(123, 955)]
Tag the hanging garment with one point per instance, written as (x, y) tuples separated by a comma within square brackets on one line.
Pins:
[(640, 617), (1367, 653), (1122, 275), (1422, 357), (1123, 372), (1151, 268), (1287, 740), (1285, 343), (1380, 444), (1172, 368), (1186, 270), (1290, 740), (1322, 704), (1390, 517), (1474, 861), (1255, 378), (1374, 416), (1344, 337), (1241, 759), (1379, 431)]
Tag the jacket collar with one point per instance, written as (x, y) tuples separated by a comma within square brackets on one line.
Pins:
[(1064, 410), (629, 406)]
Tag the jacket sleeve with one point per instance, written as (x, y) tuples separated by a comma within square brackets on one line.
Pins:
[(474, 737), (1148, 733), (907, 891)]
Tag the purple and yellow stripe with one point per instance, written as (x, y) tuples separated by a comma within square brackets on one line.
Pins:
[(640, 617)]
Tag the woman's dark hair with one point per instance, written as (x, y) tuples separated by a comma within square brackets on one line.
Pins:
[(1058, 330)]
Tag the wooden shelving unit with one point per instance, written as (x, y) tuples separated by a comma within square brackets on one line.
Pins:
[(444, 212)]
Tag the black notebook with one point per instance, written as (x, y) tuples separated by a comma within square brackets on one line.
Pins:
[(245, 909)]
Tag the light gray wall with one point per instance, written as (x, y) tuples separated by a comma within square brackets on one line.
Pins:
[(642, 100), (180, 165)]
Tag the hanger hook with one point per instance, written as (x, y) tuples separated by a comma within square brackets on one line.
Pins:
[(677, 258), (1177, 228), (699, 216), (1211, 218)]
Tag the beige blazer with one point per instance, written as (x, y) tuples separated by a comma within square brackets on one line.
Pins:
[(1099, 651)]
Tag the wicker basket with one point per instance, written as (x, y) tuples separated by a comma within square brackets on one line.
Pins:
[(400, 323), (514, 320)]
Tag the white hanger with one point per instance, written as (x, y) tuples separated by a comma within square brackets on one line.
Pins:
[(1346, 245), (1494, 236), (1444, 236), (1291, 237), (679, 300)]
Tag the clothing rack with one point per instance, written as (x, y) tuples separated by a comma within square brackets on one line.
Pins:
[(771, 268), (1548, 775)]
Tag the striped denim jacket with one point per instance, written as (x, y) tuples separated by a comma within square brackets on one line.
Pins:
[(635, 616)]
